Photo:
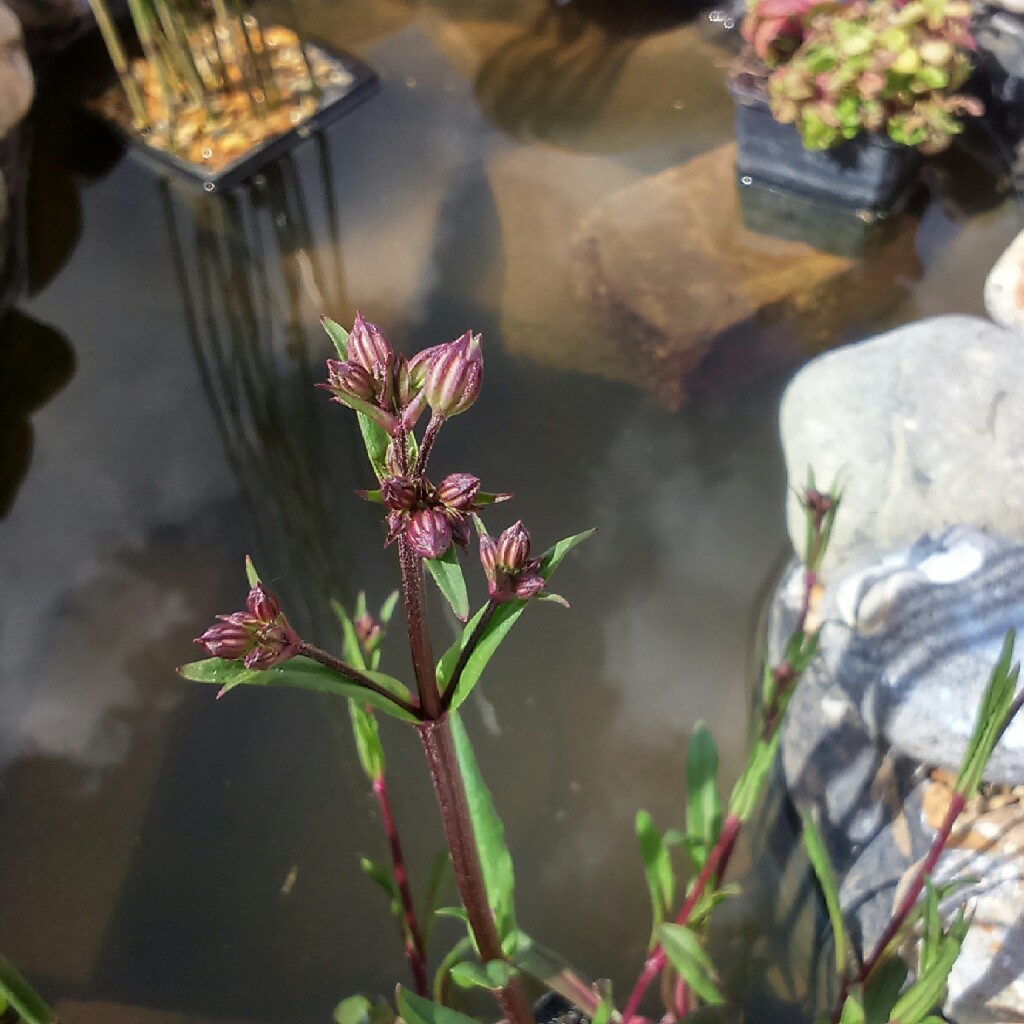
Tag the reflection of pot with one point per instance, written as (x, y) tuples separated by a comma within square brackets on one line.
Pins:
[(869, 173)]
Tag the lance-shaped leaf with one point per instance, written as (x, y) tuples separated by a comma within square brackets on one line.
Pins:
[(385, 878), (683, 948), (250, 572), (18, 993), (501, 622), (351, 647), (417, 1010), (882, 989), (494, 975), (368, 745), (447, 574), (924, 994), (818, 855), (440, 873), (661, 880), (489, 833), (303, 674), (997, 707), (555, 972), (703, 804)]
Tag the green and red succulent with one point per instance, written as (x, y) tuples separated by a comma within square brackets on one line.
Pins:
[(837, 70)]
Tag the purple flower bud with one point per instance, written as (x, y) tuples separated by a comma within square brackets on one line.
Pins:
[(513, 548), (230, 638), (417, 366), (368, 347), (399, 493), (429, 533), (453, 375), (368, 632), (348, 380), (458, 491), (488, 555), (461, 530), (529, 584), (262, 604)]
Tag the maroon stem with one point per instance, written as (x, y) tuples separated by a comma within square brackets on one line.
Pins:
[(414, 948), (419, 642), (355, 676), (451, 798), (449, 788), (713, 870), (906, 905), (429, 435)]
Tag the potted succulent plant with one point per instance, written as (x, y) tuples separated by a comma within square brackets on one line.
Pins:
[(838, 100)]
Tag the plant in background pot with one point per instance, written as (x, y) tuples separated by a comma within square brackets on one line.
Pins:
[(838, 101)]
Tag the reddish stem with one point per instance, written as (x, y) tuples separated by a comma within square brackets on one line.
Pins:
[(414, 948), (907, 904), (713, 870)]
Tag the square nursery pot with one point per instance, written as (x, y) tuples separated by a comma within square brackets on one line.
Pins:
[(870, 174), (347, 82)]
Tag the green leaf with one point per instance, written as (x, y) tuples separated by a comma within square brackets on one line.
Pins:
[(882, 989), (926, 992), (497, 629), (368, 744), (301, 673), (818, 855), (376, 441), (470, 975), (661, 880), (555, 972), (853, 1008), (384, 877), (16, 990), (454, 955), (747, 790), (457, 913), (683, 948), (354, 1010), (440, 872), (447, 575), (489, 833), (993, 717), (417, 1010), (606, 1006), (387, 609), (703, 804), (250, 572), (338, 335), (351, 647)]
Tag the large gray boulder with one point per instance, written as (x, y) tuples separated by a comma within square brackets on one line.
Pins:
[(922, 426)]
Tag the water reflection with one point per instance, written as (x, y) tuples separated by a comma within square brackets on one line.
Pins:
[(254, 280)]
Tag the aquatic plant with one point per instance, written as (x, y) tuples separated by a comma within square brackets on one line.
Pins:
[(430, 524), (866, 66)]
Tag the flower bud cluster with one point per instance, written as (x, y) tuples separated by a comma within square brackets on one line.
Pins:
[(510, 571), (866, 66), (431, 517), (261, 636), (394, 391)]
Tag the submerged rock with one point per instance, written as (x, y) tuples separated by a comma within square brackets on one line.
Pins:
[(922, 426), (877, 807)]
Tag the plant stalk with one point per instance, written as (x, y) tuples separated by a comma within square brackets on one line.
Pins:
[(712, 873), (419, 641), (906, 904), (120, 61), (413, 937), (355, 676), (439, 747)]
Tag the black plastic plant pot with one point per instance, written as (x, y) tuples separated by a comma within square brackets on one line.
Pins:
[(869, 174), (350, 82)]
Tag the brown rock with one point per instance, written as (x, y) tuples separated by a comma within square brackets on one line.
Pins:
[(672, 266)]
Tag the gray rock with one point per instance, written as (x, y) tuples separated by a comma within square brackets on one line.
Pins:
[(924, 428), (16, 82), (912, 639), (877, 809)]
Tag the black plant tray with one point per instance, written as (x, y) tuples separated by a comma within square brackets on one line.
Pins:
[(334, 103), (870, 174)]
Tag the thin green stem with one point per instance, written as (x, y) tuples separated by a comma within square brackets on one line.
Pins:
[(119, 59)]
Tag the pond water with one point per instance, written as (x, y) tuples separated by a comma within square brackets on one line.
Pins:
[(161, 849)]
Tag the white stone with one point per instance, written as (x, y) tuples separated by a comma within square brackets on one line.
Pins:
[(923, 427), (1004, 287), (16, 82)]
